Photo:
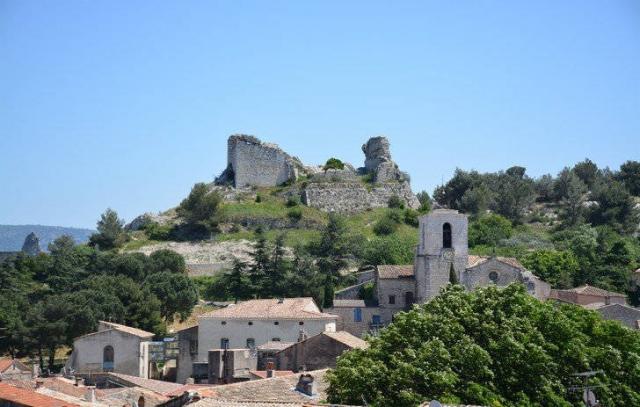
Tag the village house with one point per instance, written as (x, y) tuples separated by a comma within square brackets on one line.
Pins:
[(442, 256), (588, 295), (317, 352), (113, 348), (14, 369), (247, 325)]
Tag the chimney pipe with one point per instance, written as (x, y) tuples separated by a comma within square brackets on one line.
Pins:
[(270, 372), (90, 394), (305, 384), (79, 381), (39, 383)]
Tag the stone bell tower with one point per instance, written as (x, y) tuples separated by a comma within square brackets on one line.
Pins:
[(442, 246)]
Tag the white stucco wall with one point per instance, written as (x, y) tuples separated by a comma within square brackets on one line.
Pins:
[(211, 331), (88, 352)]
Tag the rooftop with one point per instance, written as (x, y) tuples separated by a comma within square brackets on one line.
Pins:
[(29, 398), (590, 290), (348, 303), (389, 271), (126, 329), (157, 386), (7, 363), (287, 308), (276, 373), (346, 338), (267, 392), (275, 345)]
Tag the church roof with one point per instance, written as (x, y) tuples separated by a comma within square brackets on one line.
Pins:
[(474, 261), (591, 290), (406, 271)]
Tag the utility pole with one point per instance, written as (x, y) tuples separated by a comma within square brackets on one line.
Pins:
[(588, 396)]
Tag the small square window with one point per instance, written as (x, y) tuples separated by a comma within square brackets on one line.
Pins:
[(392, 299), (250, 323), (224, 322), (276, 323), (275, 339), (301, 323)]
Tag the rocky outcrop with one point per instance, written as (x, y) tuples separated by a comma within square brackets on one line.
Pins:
[(378, 161), (250, 162), (31, 245)]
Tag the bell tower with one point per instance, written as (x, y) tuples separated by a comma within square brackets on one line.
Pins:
[(442, 249)]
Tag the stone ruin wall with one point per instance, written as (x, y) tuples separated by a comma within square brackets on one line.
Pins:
[(355, 197), (258, 164)]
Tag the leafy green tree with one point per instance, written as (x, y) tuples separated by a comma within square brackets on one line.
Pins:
[(450, 194), (615, 208), (587, 171), (425, 201), (111, 233), (476, 200), (332, 250), (165, 259), (629, 175), (514, 192), (176, 292), (489, 230), (557, 268), (389, 250), (333, 164), (572, 204), (493, 347), (200, 207), (544, 188)]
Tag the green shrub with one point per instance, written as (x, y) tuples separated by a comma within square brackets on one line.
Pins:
[(295, 214), (395, 202), (333, 164), (293, 201), (385, 226), (411, 217), (258, 198), (155, 231), (489, 230)]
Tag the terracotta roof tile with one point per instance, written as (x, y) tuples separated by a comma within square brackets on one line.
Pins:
[(30, 398), (127, 329), (157, 386), (390, 271), (6, 363), (272, 390), (347, 339), (276, 373), (591, 290), (288, 308), (275, 345), (474, 261)]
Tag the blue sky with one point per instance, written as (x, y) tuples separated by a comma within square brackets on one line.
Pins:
[(127, 104)]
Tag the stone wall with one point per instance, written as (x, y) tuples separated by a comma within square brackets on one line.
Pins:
[(251, 162), (352, 197)]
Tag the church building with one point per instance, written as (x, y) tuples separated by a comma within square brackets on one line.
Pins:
[(442, 256)]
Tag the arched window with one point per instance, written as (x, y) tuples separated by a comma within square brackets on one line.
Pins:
[(107, 358), (446, 236)]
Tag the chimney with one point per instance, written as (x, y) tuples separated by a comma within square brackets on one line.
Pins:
[(90, 394), (280, 300), (35, 371), (302, 336), (305, 384), (79, 382), (39, 383), (190, 380), (270, 372)]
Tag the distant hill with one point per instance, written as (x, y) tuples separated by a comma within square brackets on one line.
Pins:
[(12, 236)]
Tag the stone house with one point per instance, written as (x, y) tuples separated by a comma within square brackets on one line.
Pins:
[(588, 295), (248, 325), (317, 352), (441, 256), (113, 348)]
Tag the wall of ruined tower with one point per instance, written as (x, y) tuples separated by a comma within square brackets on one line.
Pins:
[(352, 197), (258, 164)]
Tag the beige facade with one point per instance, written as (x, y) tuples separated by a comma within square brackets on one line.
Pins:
[(113, 348)]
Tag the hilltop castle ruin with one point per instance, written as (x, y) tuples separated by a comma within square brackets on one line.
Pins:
[(253, 163)]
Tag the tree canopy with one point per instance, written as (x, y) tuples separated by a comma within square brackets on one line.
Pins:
[(493, 347)]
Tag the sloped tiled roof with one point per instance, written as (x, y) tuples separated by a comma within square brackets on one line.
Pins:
[(6, 363), (390, 271), (591, 290), (474, 261), (288, 308), (157, 386), (348, 303), (347, 339), (30, 398), (272, 390), (275, 345), (276, 373), (127, 329)]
